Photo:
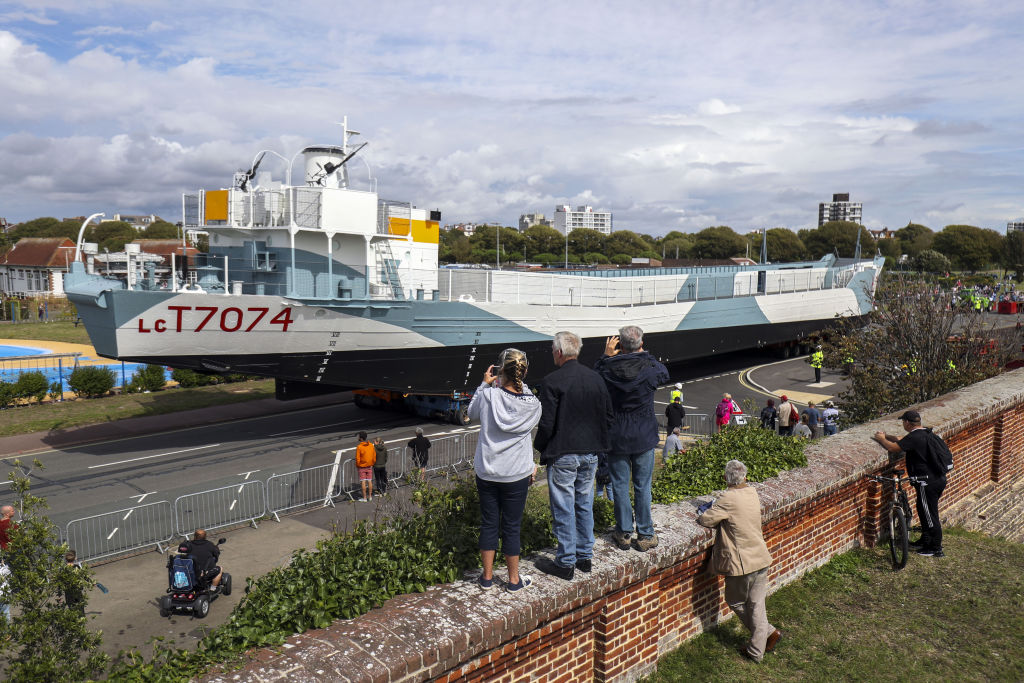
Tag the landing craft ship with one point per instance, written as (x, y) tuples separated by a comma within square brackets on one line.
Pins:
[(325, 286)]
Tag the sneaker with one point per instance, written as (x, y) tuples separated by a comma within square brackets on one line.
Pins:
[(554, 569), (621, 539), (583, 566), (928, 552), (644, 543), (524, 582), (485, 583), (919, 543)]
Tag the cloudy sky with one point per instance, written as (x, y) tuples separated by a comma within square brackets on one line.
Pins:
[(672, 115)]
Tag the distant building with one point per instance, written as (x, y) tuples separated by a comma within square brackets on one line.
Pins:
[(528, 220), (35, 266), (883, 234), (4, 225), (839, 209), (137, 221), (1014, 225), (566, 220)]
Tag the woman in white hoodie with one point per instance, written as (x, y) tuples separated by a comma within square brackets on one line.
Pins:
[(507, 412)]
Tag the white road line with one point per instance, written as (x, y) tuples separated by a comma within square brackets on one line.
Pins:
[(129, 514), (232, 507), (112, 533), (307, 429), (149, 457), (142, 496)]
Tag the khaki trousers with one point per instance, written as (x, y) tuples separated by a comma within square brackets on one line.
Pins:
[(746, 595)]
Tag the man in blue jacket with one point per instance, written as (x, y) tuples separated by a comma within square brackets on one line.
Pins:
[(632, 375), (576, 413)]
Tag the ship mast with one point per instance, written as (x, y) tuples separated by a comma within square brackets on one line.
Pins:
[(345, 135)]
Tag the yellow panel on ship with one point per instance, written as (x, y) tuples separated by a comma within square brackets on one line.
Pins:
[(398, 226), (216, 206), (426, 231)]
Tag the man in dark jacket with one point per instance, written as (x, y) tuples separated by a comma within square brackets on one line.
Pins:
[(205, 555), (420, 449), (674, 414), (576, 412), (925, 464), (632, 376)]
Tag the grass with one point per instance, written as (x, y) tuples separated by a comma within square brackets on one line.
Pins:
[(958, 618), (55, 331), (55, 416)]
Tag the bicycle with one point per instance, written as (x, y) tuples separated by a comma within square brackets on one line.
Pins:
[(900, 517)]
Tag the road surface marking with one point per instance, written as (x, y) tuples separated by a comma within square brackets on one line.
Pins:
[(112, 533), (142, 496), (307, 429), (149, 457)]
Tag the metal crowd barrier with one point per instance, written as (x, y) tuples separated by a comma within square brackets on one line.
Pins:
[(700, 425), (221, 507), (449, 453), (301, 488), (121, 531)]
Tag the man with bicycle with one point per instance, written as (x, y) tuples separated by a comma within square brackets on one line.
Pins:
[(925, 465)]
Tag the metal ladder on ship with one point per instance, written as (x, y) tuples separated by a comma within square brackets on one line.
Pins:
[(387, 269)]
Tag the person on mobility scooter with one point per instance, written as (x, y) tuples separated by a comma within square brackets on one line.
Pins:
[(194, 579)]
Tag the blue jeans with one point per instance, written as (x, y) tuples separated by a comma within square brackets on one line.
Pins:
[(642, 467), (571, 491), (830, 429)]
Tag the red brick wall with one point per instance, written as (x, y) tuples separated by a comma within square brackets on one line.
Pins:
[(613, 624)]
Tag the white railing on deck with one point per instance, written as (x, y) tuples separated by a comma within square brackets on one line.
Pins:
[(555, 289)]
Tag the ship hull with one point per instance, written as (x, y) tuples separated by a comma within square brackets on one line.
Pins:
[(425, 346)]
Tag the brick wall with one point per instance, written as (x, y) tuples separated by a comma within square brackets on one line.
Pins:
[(613, 624)]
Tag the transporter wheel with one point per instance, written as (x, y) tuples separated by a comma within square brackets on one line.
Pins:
[(165, 606), (202, 607)]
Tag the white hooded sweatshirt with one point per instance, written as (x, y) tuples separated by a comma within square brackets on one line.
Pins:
[(504, 451)]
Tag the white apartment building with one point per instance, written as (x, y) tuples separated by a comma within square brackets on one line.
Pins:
[(839, 209), (566, 220), (1014, 225)]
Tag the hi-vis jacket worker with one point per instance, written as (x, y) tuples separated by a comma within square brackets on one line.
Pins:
[(817, 360), (677, 391)]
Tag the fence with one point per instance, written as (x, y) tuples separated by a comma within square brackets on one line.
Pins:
[(301, 488), (121, 531), (226, 506), (694, 424)]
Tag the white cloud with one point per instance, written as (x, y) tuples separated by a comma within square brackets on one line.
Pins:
[(716, 107), (491, 111)]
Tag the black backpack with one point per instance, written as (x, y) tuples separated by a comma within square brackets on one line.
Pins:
[(939, 455)]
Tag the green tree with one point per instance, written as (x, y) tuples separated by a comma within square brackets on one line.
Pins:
[(162, 230), (46, 640), (626, 242), (454, 247), (677, 245), (914, 239), (1013, 253), (915, 347), (931, 261), (968, 247), (540, 239), (595, 257), (837, 236), (718, 242), (582, 240), (783, 246), (112, 235), (890, 248)]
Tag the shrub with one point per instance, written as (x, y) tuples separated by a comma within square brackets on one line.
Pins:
[(701, 469), (191, 378), (32, 385), (56, 391), (91, 381), (6, 394), (149, 378)]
